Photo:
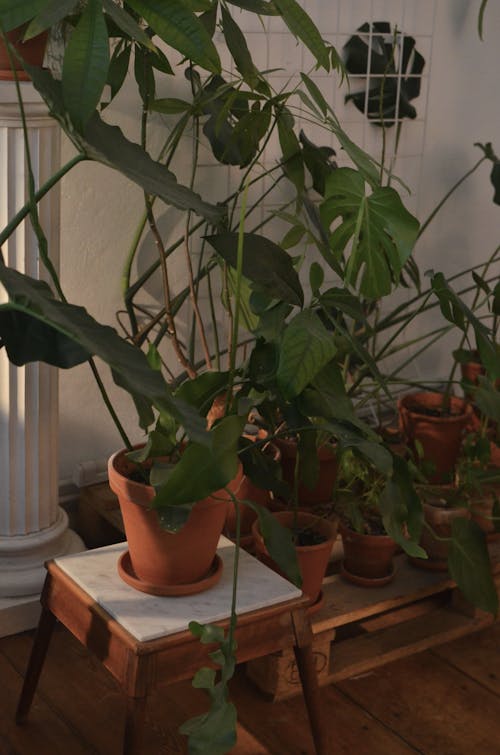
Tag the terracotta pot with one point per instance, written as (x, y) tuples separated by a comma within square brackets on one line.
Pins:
[(161, 560), (440, 437), (368, 559), (313, 559), (247, 490), (323, 490), (440, 518), (32, 51)]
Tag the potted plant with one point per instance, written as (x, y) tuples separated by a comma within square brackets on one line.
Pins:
[(368, 549)]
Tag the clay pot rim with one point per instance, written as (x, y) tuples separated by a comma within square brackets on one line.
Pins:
[(142, 490), (331, 524), (414, 399), (288, 448), (373, 540)]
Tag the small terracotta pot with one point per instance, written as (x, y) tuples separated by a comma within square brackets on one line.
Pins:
[(440, 437), (323, 490), (440, 518), (368, 559), (247, 490), (32, 51), (162, 559), (313, 559)]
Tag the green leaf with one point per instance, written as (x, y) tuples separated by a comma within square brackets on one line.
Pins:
[(107, 144), (266, 264), (85, 64), (53, 12), (480, 18), (302, 26), (129, 365), (170, 106), (307, 346), (203, 470), (213, 733), (279, 543), (293, 165), (237, 46), (118, 69), (316, 277), (207, 634), (201, 391), (180, 29), (381, 230), (487, 398), (127, 24), (402, 511), (469, 564), (261, 7), (326, 397), (14, 14)]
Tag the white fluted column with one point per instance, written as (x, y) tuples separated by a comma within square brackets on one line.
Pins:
[(33, 528)]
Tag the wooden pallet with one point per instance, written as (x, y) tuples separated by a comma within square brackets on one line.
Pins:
[(358, 628)]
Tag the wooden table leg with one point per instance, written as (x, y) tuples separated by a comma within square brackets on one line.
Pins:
[(38, 653), (134, 725), (310, 688)]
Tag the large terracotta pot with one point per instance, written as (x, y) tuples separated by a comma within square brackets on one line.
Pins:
[(313, 559), (368, 559), (32, 51), (162, 562), (323, 490), (440, 436)]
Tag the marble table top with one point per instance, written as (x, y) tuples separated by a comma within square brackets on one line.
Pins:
[(148, 617)]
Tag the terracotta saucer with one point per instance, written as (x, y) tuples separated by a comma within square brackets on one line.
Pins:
[(367, 581), (318, 603), (127, 573)]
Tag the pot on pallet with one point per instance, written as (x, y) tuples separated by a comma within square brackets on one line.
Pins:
[(439, 432), (368, 559), (439, 515), (161, 562), (313, 557), (323, 490)]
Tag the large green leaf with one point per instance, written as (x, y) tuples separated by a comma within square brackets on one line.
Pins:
[(237, 46), (53, 12), (307, 346), (181, 29), (279, 543), (85, 64), (129, 364), (266, 264), (293, 164), (201, 391), (203, 470), (381, 230), (402, 511), (127, 24), (261, 7), (302, 26), (469, 564), (14, 13), (107, 144)]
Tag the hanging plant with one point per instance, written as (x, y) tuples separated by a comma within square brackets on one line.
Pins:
[(392, 67)]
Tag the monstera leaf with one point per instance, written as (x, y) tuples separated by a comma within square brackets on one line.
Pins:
[(377, 225), (394, 68)]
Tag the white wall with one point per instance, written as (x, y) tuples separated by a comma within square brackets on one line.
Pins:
[(459, 105)]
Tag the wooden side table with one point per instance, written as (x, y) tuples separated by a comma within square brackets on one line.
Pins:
[(144, 640)]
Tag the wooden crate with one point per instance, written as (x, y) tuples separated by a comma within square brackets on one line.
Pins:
[(373, 626)]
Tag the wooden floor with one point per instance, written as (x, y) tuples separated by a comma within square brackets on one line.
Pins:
[(445, 701)]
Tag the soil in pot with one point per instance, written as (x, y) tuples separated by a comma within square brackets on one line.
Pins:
[(315, 539), (32, 51), (368, 558), (323, 490), (162, 561), (439, 430)]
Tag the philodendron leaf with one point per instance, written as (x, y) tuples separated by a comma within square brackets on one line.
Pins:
[(307, 346), (203, 470), (129, 364), (107, 145), (181, 29), (469, 564), (85, 64), (266, 264), (378, 226)]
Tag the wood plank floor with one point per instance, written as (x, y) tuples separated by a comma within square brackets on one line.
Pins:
[(445, 701)]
